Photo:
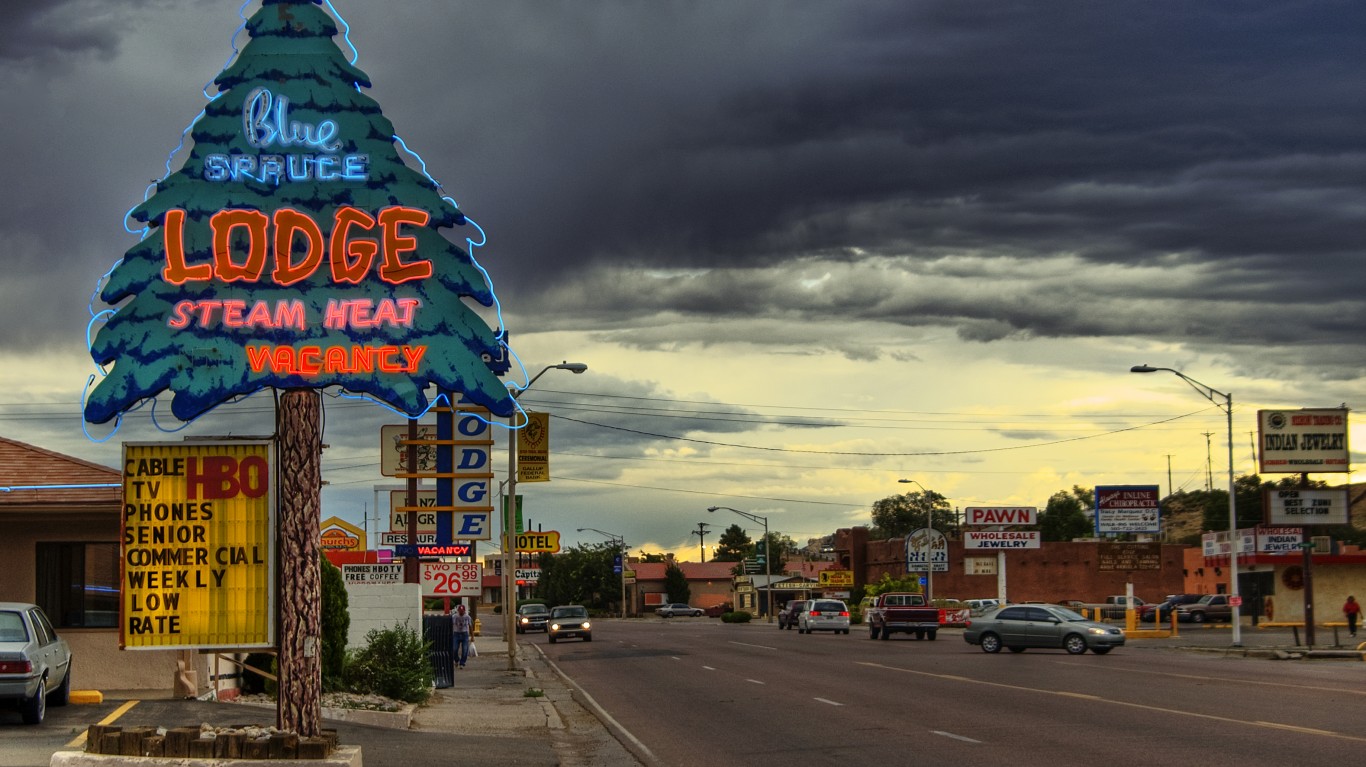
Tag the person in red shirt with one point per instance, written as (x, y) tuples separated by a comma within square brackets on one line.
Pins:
[(1351, 609)]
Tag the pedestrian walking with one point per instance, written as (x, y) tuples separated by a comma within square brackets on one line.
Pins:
[(1351, 609), (460, 636)]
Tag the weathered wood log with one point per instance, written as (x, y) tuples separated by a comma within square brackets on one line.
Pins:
[(314, 748), (130, 740), (232, 744), (110, 742), (178, 741), (154, 745), (256, 749), (95, 733), (201, 748), (284, 745)]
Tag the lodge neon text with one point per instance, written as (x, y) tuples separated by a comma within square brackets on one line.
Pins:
[(271, 239)]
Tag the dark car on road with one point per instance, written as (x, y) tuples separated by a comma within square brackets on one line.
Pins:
[(1020, 627), (1163, 610), (532, 617), (35, 663), (791, 612)]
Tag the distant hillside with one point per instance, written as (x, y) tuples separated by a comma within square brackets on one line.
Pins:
[(1182, 523)]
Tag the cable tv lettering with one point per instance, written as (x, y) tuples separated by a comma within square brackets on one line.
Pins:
[(171, 515)]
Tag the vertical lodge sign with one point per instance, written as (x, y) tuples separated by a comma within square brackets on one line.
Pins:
[(293, 249), (197, 546)]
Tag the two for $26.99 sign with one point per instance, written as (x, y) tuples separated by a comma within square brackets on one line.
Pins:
[(451, 579)]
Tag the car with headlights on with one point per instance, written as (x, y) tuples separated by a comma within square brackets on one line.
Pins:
[(1021, 627), (824, 615), (35, 663), (569, 621), (532, 617)]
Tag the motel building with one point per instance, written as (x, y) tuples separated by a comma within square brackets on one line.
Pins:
[(59, 535)]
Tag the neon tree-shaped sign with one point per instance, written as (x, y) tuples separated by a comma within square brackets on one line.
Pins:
[(266, 124), (294, 249)]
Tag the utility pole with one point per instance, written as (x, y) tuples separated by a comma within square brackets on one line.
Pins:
[(1209, 464), (701, 533)]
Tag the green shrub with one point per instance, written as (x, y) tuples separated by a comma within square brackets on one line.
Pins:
[(739, 616), (394, 663), (336, 620)]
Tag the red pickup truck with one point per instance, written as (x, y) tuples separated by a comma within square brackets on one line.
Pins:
[(904, 612)]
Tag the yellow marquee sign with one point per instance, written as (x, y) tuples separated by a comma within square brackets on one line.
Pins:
[(836, 577), (197, 546), (547, 541)]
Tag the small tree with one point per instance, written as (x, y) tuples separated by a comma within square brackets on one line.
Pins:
[(676, 584), (1065, 516), (899, 515), (909, 582), (734, 545), (336, 620)]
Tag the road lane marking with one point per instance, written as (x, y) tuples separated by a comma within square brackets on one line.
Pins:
[(1125, 704), (118, 712), (831, 702), (1227, 680), (1294, 728), (755, 681), (709, 668), (963, 738), (759, 646)]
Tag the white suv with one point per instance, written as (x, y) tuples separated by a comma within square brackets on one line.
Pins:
[(824, 615)]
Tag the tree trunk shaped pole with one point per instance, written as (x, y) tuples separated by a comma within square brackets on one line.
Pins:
[(298, 429)]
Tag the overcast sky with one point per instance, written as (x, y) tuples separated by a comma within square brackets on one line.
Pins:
[(806, 248)]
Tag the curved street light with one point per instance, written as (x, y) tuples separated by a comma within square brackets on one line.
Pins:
[(929, 525), (620, 543), (510, 500), (1210, 393), (768, 554)]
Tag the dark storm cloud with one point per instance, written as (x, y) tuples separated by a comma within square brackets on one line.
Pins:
[(985, 167), (49, 32)]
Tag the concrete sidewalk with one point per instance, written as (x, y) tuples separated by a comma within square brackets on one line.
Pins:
[(534, 701)]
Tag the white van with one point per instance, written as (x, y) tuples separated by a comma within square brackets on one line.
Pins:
[(981, 606)]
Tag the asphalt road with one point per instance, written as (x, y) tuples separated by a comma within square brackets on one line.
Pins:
[(696, 691)]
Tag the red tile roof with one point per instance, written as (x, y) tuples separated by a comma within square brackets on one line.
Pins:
[(25, 470)]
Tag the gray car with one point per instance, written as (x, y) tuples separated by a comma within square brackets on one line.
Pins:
[(1019, 627), (35, 663), (678, 608)]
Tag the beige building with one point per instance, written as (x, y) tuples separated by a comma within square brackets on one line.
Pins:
[(59, 538)]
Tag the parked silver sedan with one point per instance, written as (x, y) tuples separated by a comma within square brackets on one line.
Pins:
[(35, 663), (1018, 627)]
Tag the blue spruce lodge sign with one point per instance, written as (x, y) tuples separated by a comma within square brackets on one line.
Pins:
[(294, 249)]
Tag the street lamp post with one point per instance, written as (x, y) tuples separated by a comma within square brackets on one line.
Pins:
[(768, 553), (620, 543), (509, 514), (929, 525), (1210, 394)]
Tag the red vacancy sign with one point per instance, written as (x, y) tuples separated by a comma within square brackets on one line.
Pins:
[(451, 579)]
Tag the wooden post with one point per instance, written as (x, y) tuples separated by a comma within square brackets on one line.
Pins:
[(299, 432)]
